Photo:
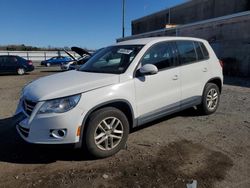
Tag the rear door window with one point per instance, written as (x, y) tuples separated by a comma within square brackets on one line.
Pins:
[(11, 61), (187, 52)]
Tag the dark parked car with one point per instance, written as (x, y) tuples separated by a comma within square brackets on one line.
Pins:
[(58, 60), (15, 64)]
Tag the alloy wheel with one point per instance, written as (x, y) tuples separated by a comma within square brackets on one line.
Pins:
[(108, 133), (212, 99)]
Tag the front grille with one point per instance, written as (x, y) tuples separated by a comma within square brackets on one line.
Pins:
[(24, 131), (28, 106)]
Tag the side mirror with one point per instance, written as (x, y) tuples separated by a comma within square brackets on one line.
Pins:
[(148, 69)]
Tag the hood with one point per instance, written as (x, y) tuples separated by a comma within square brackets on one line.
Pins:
[(66, 84), (70, 55), (83, 53)]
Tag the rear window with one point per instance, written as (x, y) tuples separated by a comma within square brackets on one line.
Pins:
[(21, 58)]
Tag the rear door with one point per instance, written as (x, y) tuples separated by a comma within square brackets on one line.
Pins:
[(193, 72), (11, 64), (159, 94)]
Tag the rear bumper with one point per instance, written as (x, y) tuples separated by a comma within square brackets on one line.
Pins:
[(29, 68)]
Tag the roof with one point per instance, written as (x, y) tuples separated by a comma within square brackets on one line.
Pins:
[(144, 41)]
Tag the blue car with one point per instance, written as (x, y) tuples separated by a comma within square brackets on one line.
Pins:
[(58, 60)]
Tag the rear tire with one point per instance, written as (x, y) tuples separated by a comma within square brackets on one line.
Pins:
[(47, 64), (106, 132), (210, 99), (20, 71)]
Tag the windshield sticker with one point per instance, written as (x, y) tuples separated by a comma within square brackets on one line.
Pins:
[(125, 51)]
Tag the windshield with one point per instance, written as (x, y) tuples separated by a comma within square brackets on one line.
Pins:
[(114, 59)]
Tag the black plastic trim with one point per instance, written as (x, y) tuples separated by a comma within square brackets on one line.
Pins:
[(170, 109), (79, 144)]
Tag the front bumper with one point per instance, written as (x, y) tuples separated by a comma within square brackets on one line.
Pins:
[(36, 128)]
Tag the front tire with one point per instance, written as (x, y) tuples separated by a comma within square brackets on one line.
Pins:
[(210, 99), (106, 132)]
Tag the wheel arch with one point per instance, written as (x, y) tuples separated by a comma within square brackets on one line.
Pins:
[(120, 104), (216, 81)]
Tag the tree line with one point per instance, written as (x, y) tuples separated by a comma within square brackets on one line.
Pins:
[(23, 47)]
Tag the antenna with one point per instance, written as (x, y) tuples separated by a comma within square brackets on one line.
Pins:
[(123, 18)]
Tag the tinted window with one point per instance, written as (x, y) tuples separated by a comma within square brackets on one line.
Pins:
[(198, 51), (161, 55), (186, 51), (204, 50), (20, 58), (1, 60), (11, 61)]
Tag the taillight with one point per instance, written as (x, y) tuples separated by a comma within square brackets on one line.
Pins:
[(221, 63), (30, 62)]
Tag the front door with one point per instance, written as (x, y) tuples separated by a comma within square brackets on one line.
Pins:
[(2, 68), (159, 94), (11, 64)]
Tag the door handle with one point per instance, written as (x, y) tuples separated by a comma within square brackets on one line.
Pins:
[(205, 69), (175, 77)]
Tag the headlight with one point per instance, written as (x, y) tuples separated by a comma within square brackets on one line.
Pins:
[(60, 105)]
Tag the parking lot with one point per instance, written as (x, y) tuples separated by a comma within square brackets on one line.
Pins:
[(214, 150)]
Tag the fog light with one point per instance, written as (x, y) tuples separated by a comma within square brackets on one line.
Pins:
[(58, 133)]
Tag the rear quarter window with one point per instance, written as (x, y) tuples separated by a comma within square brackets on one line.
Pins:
[(204, 50), (199, 52)]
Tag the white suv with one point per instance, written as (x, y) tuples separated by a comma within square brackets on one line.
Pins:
[(123, 86)]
